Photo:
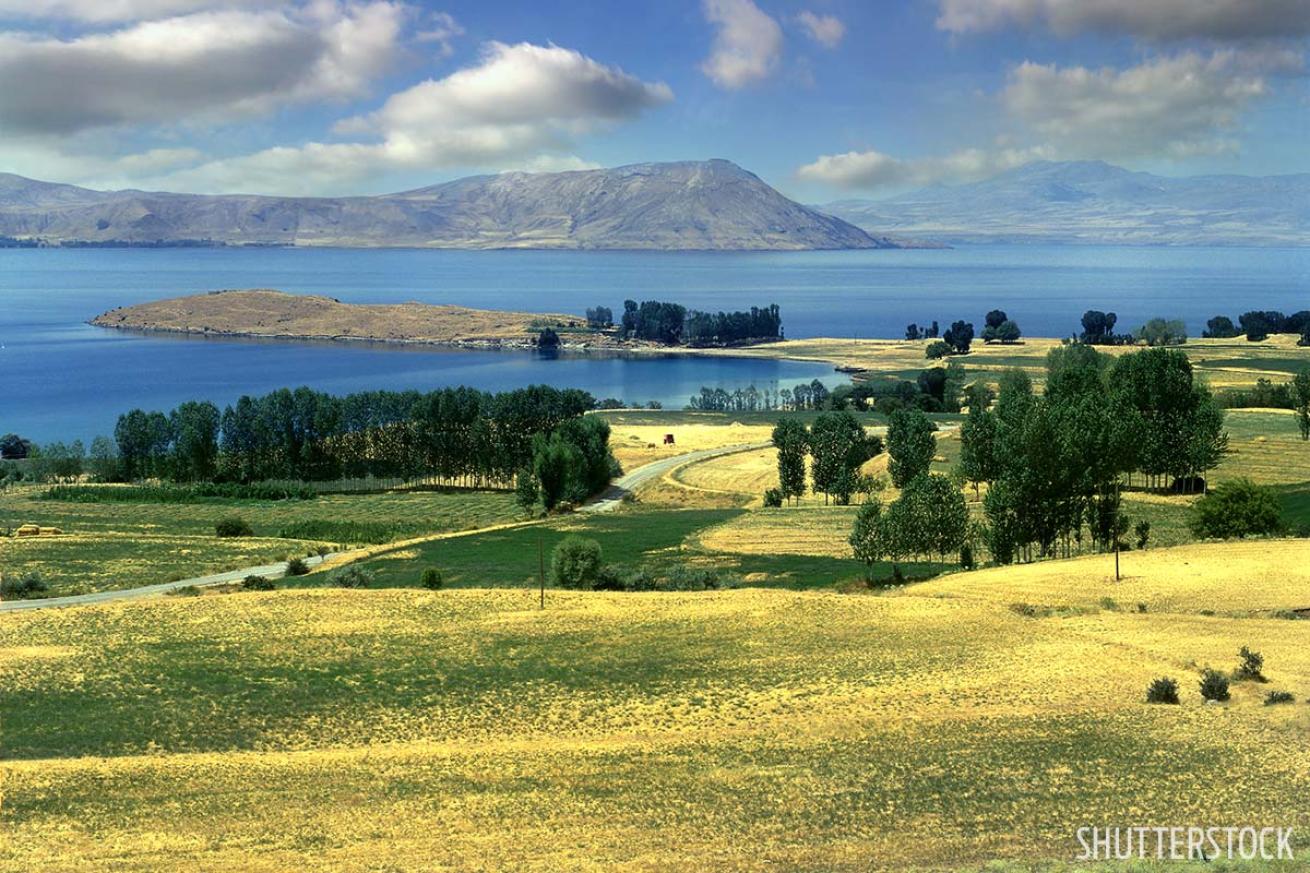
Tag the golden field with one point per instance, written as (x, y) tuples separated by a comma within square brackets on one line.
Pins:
[(934, 728)]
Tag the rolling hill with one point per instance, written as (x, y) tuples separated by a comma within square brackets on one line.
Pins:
[(1096, 203)]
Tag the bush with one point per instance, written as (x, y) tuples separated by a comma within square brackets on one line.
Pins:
[(966, 557), (297, 567), (431, 579), (1250, 668), (353, 576), (1143, 531), (773, 498), (685, 578), (575, 563), (257, 583), (26, 586), (1237, 509), (1276, 697), (233, 526), (1162, 690), (1214, 685)]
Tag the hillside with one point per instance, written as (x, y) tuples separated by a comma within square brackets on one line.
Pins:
[(1094, 202), (275, 314), (696, 205)]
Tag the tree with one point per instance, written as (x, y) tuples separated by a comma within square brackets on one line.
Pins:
[(554, 463), (195, 447), (999, 328), (839, 447), (600, 317), (1098, 327), (936, 350), (103, 460), (1220, 327), (547, 339), (978, 461), (959, 336), (911, 444), (575, 562), (791, 440), (937, 514), (996, 318), (1008, 332), (526, 490), (1237, 509), (1163, 332), (867, 534), (1301, 399)]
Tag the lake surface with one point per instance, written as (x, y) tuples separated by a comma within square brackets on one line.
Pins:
[(64, 379)]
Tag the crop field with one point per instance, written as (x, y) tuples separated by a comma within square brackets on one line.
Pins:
[(636, 444), (934, 727)]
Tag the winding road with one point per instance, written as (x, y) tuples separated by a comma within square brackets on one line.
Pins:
[(610, 500)]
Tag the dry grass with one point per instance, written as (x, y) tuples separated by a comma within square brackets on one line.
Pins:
[(637, 444), (764, 730), (263, 313)]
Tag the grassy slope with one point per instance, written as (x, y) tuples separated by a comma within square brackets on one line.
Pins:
[(124, 545), (765, 730)]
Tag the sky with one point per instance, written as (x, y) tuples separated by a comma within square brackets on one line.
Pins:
[(824, 99)]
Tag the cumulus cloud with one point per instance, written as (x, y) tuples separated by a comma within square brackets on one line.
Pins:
[(113, 11), (441, 29), (1177, 106), (214, 66), (747, 46), (1146, 19), (827, 30), (873, 170), (518, 106)]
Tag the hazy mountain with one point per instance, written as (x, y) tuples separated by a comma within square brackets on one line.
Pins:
[(689, 205), (1095, 202)]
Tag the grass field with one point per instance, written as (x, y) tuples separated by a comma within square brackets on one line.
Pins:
[(931, 728), (126, 545)]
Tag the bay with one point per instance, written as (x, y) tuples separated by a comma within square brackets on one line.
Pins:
[(64, 379)]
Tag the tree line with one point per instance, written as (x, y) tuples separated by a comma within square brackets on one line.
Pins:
[(1257, 325), (454, 435), (672, 324)]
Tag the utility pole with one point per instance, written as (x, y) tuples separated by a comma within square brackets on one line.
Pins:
[(541, 569)]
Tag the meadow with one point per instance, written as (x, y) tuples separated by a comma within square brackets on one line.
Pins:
[(934, 727)]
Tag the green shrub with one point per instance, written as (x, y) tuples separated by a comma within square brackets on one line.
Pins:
[(431, 579), (28, 585), (1109, 604), (1143, 531), (1250, 668), (1214, 685), (354, 576), (233, 526), (937, 350), (297, 567), (1276, 697), (773, 498), (575, 563), (682, 577), (1237, 509), (1162, 690), (257, 583), (200, 492), (966, 557), (186, 591)]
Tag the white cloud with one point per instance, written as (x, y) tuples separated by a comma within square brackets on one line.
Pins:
[(208, 66), (1147, 19), (746, 47), (114, 11), (441, 29), (1176, 106), (517, 107), (827, 30), (874, 170)]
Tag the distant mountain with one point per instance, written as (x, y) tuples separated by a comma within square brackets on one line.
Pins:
[(702, 205), (1095, 202)]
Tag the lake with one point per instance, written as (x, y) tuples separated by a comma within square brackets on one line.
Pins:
[(65, 379)]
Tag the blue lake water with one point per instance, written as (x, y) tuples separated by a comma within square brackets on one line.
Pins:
[(64, 379)]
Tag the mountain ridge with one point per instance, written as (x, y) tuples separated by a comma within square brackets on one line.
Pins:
[(695, 205), (1094, 202)]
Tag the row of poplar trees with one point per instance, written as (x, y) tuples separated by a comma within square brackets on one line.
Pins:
[(836, 446), (1055, 463)]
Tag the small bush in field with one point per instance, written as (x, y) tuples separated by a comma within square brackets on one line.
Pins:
[(575, 563), (1214, 685), (257, 583), (297, 567), (353, 576), (1162, 690), (23, 587), (772, 498), (431, 579), (1276, 697), (233, 526), (1250, 670)]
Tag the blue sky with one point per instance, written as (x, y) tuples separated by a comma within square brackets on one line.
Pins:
[(822, 98)]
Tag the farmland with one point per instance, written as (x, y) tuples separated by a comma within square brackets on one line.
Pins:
[(584, 734)]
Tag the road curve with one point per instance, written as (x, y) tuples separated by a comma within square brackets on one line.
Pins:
[(613, 496), (607, 502)]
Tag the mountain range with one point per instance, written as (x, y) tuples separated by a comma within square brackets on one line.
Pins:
[(1096, 202), (698, 205)]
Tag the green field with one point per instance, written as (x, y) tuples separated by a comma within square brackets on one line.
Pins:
[(126, 545)]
